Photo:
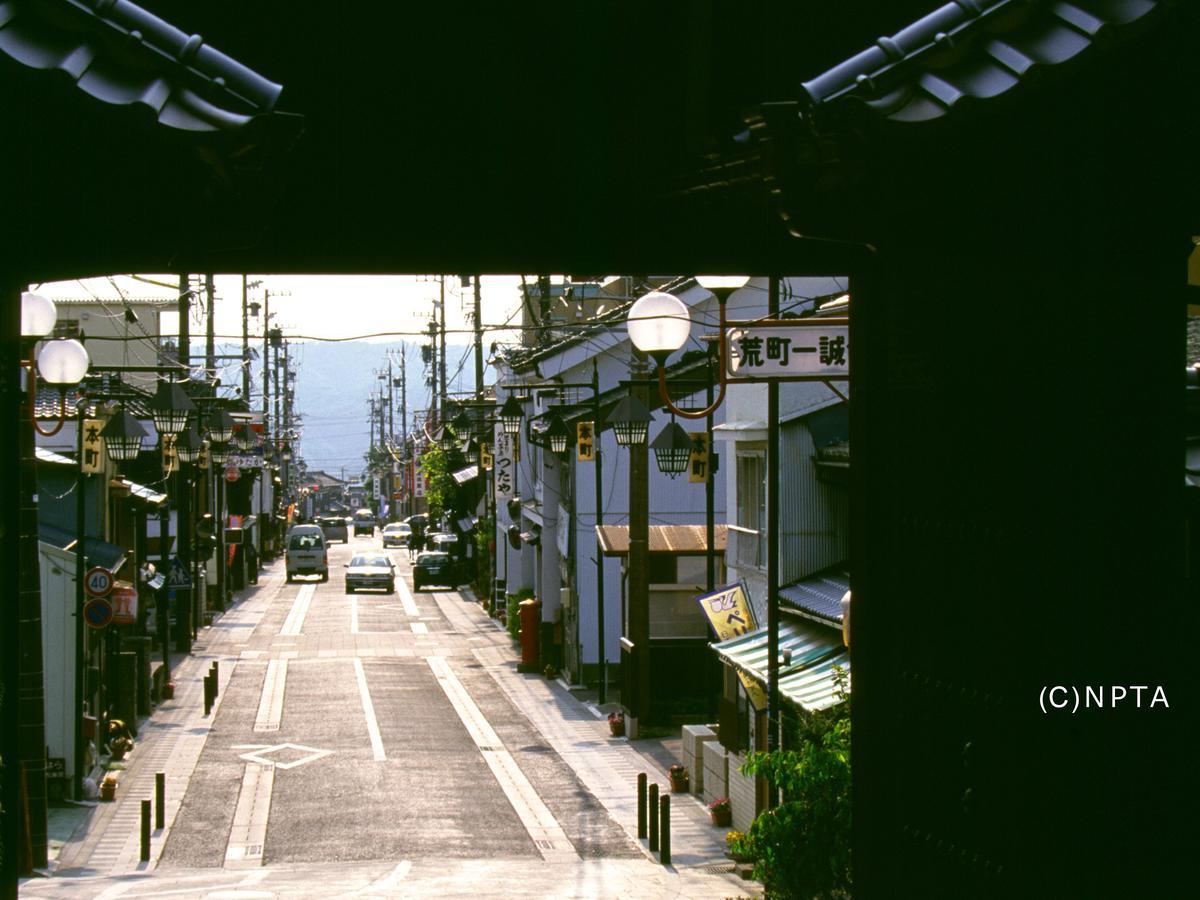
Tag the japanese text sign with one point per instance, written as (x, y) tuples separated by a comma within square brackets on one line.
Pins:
[(485, 457), (730, 614), (170, 459), (93, 446), (781, 350), (124, 600), (584, 437), (505, 462), (698, 461)]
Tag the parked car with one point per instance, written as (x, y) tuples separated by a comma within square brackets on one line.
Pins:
[(370, 570), (306, 552), (364, 522), (396, 534), (434, 567), (334, 528)]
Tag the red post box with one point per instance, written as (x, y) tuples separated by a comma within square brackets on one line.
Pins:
[(530, 612)]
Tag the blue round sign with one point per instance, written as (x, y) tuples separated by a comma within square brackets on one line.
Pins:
[(98, 612)]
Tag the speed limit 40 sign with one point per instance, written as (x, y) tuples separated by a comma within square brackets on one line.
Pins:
[(98, 582)]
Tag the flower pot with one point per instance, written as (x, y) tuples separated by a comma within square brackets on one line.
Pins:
[(722, 818), (680, 784), (108, 791), (169, 691), (617, 727)]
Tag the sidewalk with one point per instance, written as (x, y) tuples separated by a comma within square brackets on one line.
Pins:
[(608, 766), (98, 838)]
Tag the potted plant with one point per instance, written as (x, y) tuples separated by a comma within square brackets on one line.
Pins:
[(550, 671), (108, 787), (119, 741), (616, 723), (721, 812), (737, 847), (680, 780)]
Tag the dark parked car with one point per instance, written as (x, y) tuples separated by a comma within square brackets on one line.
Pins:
[(433, 567)]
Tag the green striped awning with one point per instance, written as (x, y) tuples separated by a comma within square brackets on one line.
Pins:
[(807, 680)]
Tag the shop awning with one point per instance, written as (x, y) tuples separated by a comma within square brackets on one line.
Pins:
[(682, 540), (144, 493), (462, 476), (95, 551), (807, 680)]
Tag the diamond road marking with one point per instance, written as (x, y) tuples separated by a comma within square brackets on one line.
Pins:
[(260, 755)]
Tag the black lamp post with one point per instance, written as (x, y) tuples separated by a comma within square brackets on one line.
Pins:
[(188, 446), (218, 452)]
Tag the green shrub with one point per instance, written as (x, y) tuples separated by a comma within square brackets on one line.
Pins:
[(802, 847)]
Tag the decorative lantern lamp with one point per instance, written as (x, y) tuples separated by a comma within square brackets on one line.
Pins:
[(511, 414), (672, 450), (123, 435), (170, 408), (630, 421)]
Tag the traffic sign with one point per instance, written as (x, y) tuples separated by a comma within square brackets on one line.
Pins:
[(98, 582), (177, 574), (232, 473), (125, 605), (97, 612), (784, 350)]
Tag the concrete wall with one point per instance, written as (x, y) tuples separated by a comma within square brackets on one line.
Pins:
[(58, 650)]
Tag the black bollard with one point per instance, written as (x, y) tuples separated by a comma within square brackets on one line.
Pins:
[(653, 816), (641, 804), (160, 800), (664, 830), (216, 675), (145, 831), (208, 697)]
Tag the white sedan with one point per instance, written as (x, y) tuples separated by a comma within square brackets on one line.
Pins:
[(396, 534), (370, 570)]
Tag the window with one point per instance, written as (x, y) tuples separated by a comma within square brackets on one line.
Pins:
[(752, 508)]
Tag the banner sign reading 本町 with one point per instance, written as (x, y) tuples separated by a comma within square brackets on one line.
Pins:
[(730, 614)]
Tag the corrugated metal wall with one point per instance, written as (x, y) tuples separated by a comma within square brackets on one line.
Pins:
[(816, 515)]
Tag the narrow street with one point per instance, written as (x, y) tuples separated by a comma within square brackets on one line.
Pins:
[(380, 745)]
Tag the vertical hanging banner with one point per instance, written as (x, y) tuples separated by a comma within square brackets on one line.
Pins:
[(730, 614), (698, 460), (170, 459), (418, 476), (93, 446), (505, 465), (124, 600), (584, 438), (486, 459)]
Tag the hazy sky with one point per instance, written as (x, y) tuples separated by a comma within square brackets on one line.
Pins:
[(322, 306)]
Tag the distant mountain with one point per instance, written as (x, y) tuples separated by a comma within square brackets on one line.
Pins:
[(334, 384)]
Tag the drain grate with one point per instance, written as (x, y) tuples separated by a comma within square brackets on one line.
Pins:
[(717, 869)]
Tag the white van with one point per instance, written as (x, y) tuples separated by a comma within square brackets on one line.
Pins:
[(307, 552)]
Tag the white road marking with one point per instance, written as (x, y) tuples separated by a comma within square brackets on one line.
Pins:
[(295, 619), (369, 711), (420, 628), (270, 704), (549, 838), (249, 831), (354, 615), (262, 753), (406, 597), (387, 885)]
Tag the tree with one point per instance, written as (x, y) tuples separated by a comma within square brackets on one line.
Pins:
[(441, 491), (802, 847)]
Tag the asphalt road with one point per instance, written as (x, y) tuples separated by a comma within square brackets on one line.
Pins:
[(362, 745), (411, 783)]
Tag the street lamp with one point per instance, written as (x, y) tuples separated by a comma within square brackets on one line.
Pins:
[(672, 450), (170, 408), (245, 437), (630, 420), (220, 426), (122, 435), (659, 325), (511, 414), (559, 435)]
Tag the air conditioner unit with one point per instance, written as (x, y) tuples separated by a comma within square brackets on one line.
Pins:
[(564, 597)]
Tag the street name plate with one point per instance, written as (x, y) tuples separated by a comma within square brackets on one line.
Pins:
[(783, 350)]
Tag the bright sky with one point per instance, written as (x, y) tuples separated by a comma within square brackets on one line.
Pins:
[(379, 307)]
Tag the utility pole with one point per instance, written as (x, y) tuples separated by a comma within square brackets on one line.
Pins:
[(403, 397), (246, 338), (433, 378), (478, 341), (442, 332), (187, 612), (391, 405), (543, 334), (210, 345)]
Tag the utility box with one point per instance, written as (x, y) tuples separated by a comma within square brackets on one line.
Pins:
[(530, 612)]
